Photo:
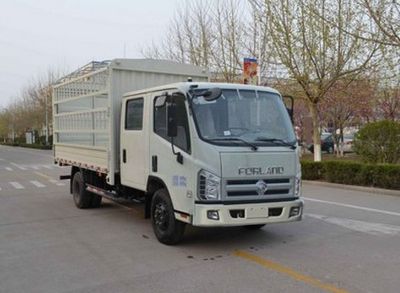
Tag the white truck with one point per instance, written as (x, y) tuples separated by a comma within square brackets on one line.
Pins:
[(195, 152)]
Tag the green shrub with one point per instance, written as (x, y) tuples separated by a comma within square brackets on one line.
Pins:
[(385, 176), (343, 172), (353, 173), (32, 146), (36, 146), (379, 142), (311, 170)]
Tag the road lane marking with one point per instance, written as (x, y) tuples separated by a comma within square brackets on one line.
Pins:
[(37, 183), (51, 180), (45, 176), (57, 182), (8, 169), (18, 166), (353, 206), (360, 226), (274, 266), (16, 185)]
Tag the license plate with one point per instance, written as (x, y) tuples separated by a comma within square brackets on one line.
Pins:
[(257, 212)]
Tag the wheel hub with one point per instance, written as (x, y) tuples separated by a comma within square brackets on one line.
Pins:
[(161, 216)]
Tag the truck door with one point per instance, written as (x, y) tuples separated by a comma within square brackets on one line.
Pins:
[(177, 176), (134, 144)]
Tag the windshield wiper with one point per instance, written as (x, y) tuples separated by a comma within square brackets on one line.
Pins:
[(276, 140), (253, 146)]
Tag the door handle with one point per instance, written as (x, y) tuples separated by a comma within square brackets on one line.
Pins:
[(154, 163), (124, 155)]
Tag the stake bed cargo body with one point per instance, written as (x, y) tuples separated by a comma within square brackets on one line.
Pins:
[(87, 109)]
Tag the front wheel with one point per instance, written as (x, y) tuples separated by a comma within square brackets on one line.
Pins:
[(167, 229)]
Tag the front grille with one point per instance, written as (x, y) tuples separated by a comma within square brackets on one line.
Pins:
[(255, 193), (248, 187), (254, 181)]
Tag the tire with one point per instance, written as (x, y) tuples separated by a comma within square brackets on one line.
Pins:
[(82, 198), (167, 229), (96, 201), (254, 227)]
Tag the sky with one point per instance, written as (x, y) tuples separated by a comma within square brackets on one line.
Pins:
[(62, 35)]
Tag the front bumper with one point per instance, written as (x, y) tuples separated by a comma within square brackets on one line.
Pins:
[(247, 214)]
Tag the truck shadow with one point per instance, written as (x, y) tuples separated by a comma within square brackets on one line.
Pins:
[(218, 240), (231, 238)]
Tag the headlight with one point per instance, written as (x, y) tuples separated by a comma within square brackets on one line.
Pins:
[(297, 185), (209, 186)]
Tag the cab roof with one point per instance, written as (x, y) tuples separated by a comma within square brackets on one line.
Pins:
[(185, 86)]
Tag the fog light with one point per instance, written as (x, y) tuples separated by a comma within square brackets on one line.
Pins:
[(294, 211), (213, 215)]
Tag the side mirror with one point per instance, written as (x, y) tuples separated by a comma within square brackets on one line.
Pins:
[(172, 126), (161, 100), (289, 104)]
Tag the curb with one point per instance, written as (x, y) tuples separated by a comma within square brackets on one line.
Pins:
[(355, 187)]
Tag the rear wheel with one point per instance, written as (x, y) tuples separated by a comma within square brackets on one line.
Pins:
[(167, 229), (96, 201), (82, 198)]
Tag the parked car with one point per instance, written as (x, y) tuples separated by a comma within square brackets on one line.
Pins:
[(348, 143), (327, 144)]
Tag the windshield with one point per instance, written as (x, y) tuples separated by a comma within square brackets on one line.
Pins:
[(325, 136), (257, 117)]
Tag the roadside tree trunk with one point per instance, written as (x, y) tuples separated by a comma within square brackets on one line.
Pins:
[(316, 133)]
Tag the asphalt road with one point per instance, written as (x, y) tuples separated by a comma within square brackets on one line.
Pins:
[(349, 241)]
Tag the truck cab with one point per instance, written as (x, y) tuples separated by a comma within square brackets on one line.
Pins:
[(210, 154)]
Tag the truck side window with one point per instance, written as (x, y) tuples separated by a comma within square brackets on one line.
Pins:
[(134, 114), (160, 124)]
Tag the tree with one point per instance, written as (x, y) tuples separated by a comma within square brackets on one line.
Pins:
[(385, 16), (216, 35), (4, 124), (32, 109), (388, 103), (344, 105), (316, 54)]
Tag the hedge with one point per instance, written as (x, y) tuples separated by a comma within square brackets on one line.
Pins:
[(353, 173), (32, 146)]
